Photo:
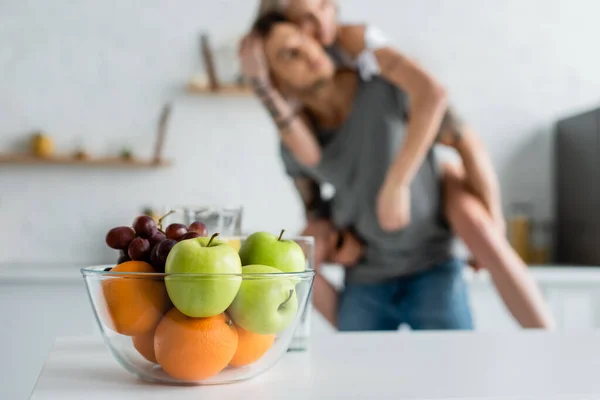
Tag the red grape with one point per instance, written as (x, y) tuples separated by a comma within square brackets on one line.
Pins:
[(189, 235), (160, 254), (144, 226), (157, 238), (154, 260), (198, 227), (175, 231), (120, 237), (139, 249)]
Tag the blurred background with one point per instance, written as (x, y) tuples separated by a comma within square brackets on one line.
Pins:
[(86, 82), (96, 75)]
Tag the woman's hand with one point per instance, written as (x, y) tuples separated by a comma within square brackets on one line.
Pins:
[(253, 61), (326, 244), (393, 206)]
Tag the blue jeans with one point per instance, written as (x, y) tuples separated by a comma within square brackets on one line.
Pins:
[(435, 299)]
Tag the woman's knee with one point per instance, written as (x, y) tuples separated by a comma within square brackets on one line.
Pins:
[(464, 210)]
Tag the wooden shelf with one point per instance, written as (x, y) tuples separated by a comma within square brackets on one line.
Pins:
[(224, 90), (27, 159)]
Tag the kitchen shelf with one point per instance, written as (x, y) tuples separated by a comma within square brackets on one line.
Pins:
[(224, 90), (27, 159)]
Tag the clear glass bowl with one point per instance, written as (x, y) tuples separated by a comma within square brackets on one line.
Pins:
[(152, 339)]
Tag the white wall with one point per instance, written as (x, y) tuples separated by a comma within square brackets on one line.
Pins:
[(99, 72)]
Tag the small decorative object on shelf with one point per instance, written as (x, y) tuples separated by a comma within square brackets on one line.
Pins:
[(209, 64), (229, 81), (540, 252), (162, 132), (81, 154), (126, 154), (519, 229), (42, 145)]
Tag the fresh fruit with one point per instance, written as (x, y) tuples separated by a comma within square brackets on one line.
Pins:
[(263, 248), (134, 304), (194, 349), (157, 238), (154, 261), (175, 231), (265, 305), (139, 249), (251, 347), (159, 255), (203, 296), (198, 227), (144, 226), (119, 238), (189, 235), (123, 257), (144, 344)]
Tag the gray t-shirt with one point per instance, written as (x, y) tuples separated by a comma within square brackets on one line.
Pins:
[(355, 160)]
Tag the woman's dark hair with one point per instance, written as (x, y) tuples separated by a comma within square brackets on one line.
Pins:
[(265, 24)]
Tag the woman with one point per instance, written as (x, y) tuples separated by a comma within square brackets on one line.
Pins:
[(477, 220)]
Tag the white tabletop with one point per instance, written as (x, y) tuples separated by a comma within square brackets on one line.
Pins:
[(531, 365)]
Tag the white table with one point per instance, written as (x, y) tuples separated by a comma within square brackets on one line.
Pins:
[(532, 365), (51, 302)]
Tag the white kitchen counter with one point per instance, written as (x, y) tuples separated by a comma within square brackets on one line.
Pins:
[(51, 301), (533, 365)]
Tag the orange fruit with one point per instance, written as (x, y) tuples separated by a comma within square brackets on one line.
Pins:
[(134, 304), (194, 348), (144, 344), (251, 347)]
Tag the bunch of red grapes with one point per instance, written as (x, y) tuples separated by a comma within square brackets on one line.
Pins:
[(145, 241)]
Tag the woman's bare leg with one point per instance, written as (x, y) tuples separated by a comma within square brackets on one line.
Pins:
[(479, 175), (325, 295), (325, 299), (473, 224)]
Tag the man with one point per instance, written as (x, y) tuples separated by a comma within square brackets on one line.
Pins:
[(407, 276)]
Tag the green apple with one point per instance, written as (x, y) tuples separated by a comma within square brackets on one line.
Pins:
[(203, 296), (264, 305), (263, 248)]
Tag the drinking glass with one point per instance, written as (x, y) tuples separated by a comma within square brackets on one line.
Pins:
[(226, 220)]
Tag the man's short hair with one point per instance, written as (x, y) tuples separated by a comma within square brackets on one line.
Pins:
[(265, 24)]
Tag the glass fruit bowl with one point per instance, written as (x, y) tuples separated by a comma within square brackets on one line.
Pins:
[(192, 328)]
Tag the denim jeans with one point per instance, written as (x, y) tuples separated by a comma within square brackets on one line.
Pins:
[(435, 299)]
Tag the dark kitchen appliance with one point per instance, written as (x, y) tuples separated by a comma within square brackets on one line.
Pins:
[(577, 189)]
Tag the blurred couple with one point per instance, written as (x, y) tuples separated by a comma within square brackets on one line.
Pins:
[(355, 113)]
